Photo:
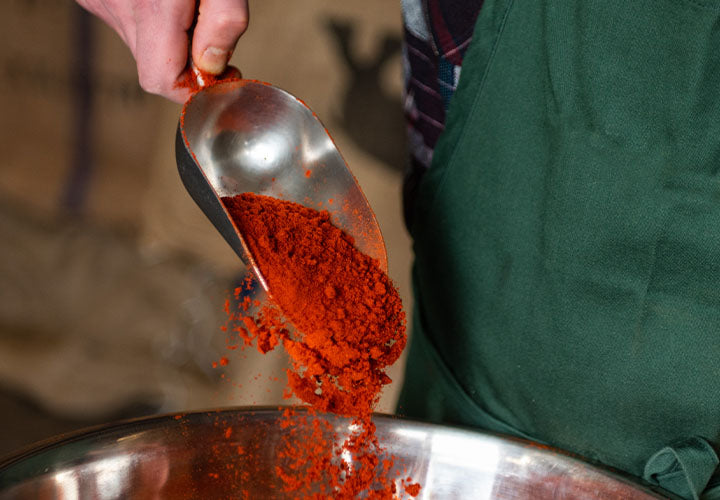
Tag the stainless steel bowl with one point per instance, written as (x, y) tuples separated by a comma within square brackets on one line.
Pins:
[(194, 455)]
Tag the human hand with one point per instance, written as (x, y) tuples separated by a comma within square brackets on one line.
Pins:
[(157, 33)]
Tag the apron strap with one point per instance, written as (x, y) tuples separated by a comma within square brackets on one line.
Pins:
[(685, 468)]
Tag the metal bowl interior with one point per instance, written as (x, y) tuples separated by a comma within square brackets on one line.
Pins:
[(194, 455)]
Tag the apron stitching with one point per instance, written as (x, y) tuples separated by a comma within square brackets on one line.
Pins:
[(473, 107)]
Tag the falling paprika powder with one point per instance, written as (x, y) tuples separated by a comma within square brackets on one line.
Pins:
[(341, 321), (348, 315)]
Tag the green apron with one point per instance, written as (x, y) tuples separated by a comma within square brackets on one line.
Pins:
[(567, 237)]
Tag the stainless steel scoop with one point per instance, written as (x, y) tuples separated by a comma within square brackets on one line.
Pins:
[(248, 136)]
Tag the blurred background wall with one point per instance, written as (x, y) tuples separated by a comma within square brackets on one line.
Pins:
[(112, 282)]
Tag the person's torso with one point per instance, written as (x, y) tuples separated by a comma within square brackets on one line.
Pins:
[(568, 232)]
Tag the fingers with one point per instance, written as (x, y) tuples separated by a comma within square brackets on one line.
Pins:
[(157, 33), (161, 45), (219, 25)]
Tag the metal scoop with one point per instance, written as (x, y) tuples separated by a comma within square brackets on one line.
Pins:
[(248, 136)]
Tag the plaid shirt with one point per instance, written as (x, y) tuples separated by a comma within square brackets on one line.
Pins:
[(437, 34)]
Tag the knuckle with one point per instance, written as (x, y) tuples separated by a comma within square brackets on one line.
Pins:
[(230, 21), (151, 83)]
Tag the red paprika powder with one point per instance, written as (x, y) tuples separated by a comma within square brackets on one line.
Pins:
[(190, 78), (347, 314), (341, 321)]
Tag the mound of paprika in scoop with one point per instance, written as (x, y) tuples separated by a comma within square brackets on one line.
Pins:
[(348, 317)]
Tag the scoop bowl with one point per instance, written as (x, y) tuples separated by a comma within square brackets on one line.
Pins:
[(248, 136)]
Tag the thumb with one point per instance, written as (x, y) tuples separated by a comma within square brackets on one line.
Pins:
[(219, 25)]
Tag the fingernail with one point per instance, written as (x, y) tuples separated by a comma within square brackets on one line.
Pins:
[(213, 60)]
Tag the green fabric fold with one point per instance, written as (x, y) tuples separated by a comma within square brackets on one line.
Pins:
[(684, 468)]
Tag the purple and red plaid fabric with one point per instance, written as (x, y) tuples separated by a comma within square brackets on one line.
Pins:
[(437, 34)]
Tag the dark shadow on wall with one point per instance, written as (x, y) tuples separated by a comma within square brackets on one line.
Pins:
[(370, 114)]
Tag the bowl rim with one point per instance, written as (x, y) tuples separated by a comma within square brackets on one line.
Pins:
[(150, 421)]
